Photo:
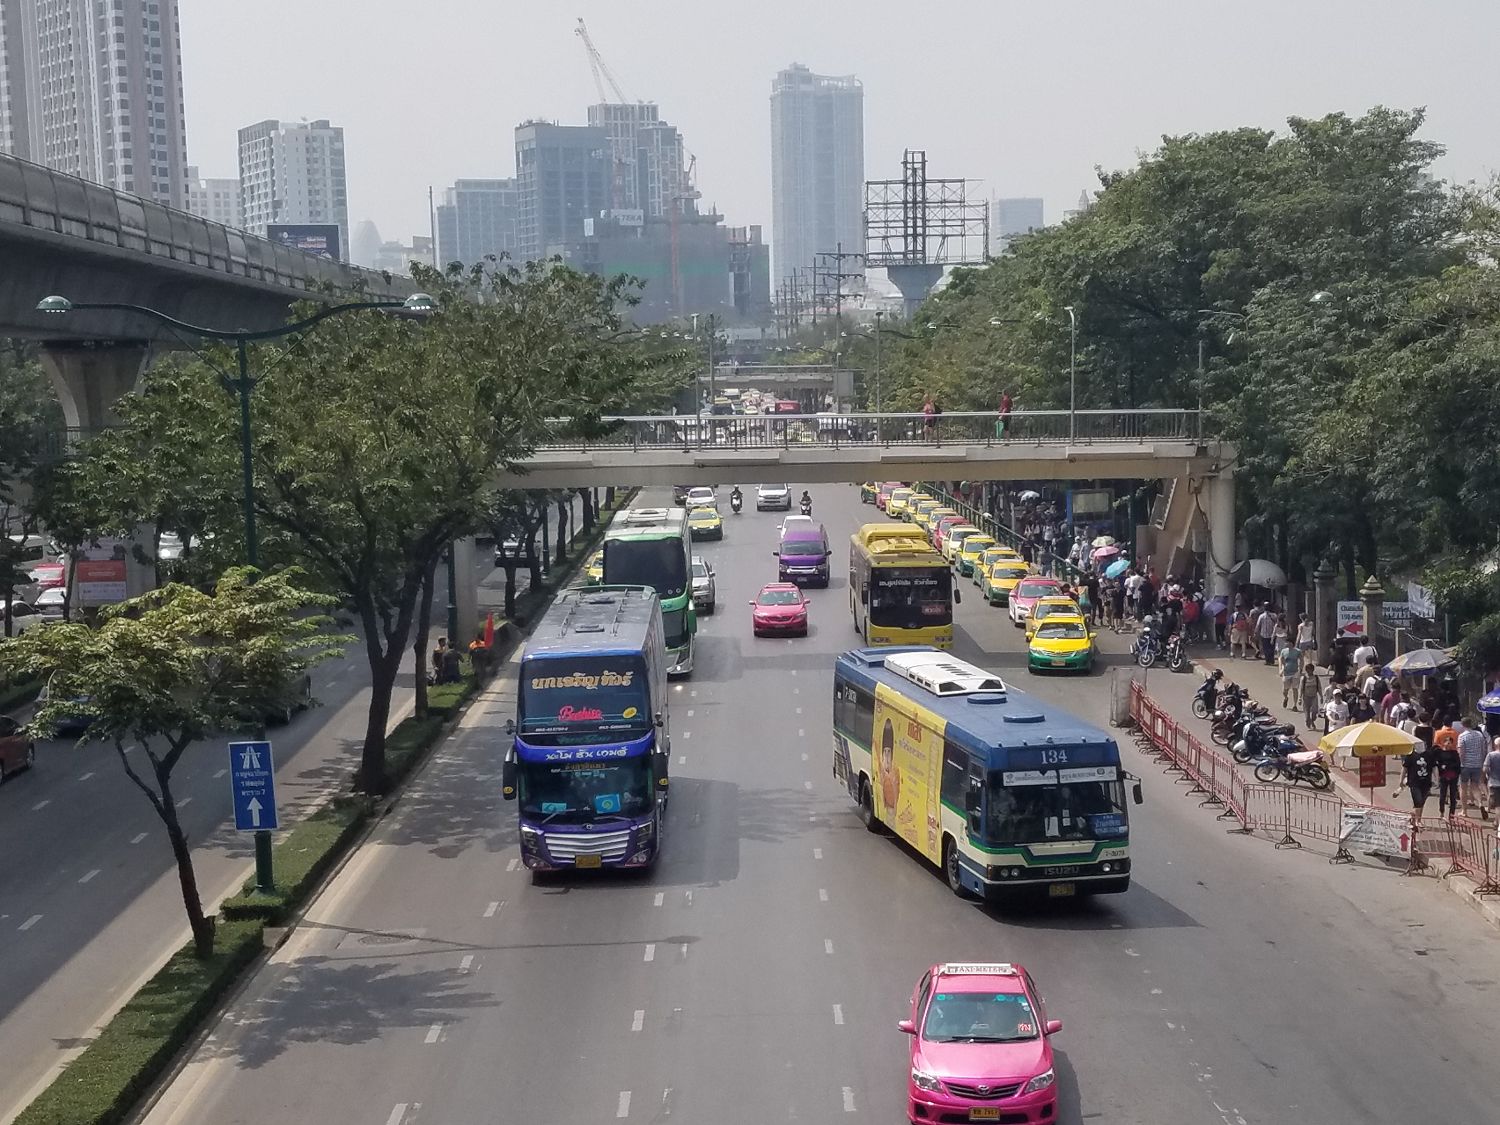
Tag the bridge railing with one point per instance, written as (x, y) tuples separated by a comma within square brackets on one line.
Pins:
[(785, 431)]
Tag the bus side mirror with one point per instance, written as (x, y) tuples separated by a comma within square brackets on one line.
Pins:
[(864, 594), (958, 595), (659, 719), (1135, 792), (508, 780)]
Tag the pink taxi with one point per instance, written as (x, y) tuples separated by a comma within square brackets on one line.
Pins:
[(980, 1047), (1026, 594)]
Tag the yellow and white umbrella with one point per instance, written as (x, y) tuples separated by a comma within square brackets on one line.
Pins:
[(1368, 740)]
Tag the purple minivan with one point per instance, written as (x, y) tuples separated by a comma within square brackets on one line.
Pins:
[(804, 554)]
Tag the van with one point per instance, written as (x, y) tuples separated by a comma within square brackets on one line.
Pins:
[(804, 553)]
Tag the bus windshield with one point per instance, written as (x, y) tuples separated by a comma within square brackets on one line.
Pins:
[(571, 701), (658, 563), (579, 792), (1080, 810), (911, 597)]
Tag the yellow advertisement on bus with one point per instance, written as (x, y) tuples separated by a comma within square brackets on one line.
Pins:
[(908, 753)]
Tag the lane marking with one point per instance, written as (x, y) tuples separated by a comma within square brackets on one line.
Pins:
[(807, 785), (660, 898), (682, 759), (848, 1100), (817, 853), (138, 838), (86, 776), (89, 876), (489, 911), (804, 757), (838, 1015), (638, 1021), (651, 952), (796, 691), (828, 946), (689, 895), (622, 1108), (822, 894), (682, 952), (32, 921), (185, 801), (434, 1033), (397, 1115), (690, 712), (799, 710), (687, 734), (801, 733), (511, 866), (220, 774), (693, 694), (40, 805), (466, 963)]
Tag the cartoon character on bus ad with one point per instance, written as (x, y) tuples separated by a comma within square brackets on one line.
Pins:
[(890, 777)]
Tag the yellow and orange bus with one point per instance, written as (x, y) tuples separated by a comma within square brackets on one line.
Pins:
[(900, 590)]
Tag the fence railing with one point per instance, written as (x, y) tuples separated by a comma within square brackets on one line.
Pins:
[(781, 431), (1050, 563)]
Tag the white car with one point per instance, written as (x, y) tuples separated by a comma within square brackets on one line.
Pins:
[(702, 497), (49, 603), (769, 497), (793, 521), (22, 618)]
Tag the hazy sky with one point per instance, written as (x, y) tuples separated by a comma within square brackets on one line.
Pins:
[(1025, 97)]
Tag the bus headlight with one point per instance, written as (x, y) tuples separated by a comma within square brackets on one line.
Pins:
[(1106, 867), (530, 838), (645, 831)]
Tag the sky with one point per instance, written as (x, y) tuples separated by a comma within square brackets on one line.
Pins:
[(1026, 98)]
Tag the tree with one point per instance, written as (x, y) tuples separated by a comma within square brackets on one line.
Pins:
[(169, 669), (30, 423)]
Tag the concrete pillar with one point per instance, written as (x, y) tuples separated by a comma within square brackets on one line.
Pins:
[(1220, 534), (1325, 611), (465, 592), (91, 378), (1372, 594)]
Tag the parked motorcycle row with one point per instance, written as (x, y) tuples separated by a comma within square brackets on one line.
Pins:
[(1255, 737)]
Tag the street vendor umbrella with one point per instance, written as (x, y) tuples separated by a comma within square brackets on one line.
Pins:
[(1029, 495), (1258, 572), (1104, 541), (1117, 568), (1106, 552), (1490, 704), (1420, 662), (1368, 740)]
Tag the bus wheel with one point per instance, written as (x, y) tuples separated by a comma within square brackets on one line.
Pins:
[(950, 868), (867, 807)]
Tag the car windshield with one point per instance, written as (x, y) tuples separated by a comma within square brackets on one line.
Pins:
[(1054, 609), (700, 568), (779, 597), (1035, 589), (1032, 813), (1010, 570), (1063, 631), (911, 597), (702, 515), (801, 543), (980, 1017), (584, 791), (974, 544)]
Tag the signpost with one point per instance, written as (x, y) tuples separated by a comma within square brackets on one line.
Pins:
[(252, 785)]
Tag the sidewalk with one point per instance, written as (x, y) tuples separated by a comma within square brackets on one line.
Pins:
[(1264, 684)]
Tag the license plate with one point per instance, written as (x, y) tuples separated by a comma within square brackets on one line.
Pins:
[(592, 861), (1061, 890), (1059, 660), (985, 1113)]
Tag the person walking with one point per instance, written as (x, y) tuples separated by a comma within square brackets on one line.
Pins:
[(1473, 746), (1416, 773), (1305, 640), (1449, 768), (1239, 633), (1002, 415), (1491, 775), (1290, 659), (1265, 631), (929, 417), (1117, 605)]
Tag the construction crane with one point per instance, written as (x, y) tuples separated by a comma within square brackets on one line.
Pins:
[(687, 194), (602, 73)]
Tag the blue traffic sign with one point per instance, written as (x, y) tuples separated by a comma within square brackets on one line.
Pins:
[(252, 782)]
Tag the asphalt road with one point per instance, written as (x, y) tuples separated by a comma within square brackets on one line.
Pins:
[(89, 900), (756, 976)]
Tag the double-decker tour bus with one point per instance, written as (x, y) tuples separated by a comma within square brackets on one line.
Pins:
[(653, 547), (900, 590), (1003, 793), (588, 757)]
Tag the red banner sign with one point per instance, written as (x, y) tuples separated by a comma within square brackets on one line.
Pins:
[(1371, 773)]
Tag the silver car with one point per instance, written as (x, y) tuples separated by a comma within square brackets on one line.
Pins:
[(705, 592), (770, 497)]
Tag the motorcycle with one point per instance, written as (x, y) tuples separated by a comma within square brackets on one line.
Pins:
[(1260, 739), (1176, 653), (1207, 695), (736, 502), (1294, 766), (1146, 649), (807, 507), (1226, 730)]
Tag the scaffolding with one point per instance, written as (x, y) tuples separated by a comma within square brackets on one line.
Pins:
[(920, 221)]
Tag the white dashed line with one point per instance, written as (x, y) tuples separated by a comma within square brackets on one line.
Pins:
[(40, 805), (794, 671), (399, 1113), (660, 898), (807, 785), (89, 876), (690, 712), (32, 921), (138, 837), (687, 734), (689, 896), (638, 1021), (693, 694), (184, 802), (511, 866), (799, 710), (804, 757), (822, 894), (651, 952), (622, 1108), (828, 946), (817, 853), (682, 759), (848, 1099), (796, 691), (466, 963), (838, 1015), (489, 911), (220, 774), (85, 776), (801, 733), (682, 952), (434, 1033)]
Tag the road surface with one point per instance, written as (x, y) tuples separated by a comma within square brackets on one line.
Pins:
[(758, 974)]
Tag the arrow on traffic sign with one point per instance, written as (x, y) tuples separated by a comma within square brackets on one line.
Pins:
[(254, 809)]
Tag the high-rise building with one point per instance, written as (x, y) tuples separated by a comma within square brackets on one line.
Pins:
[(477, 218), (216, 200), (397, 257), (648, 172), (94, 88), (293, 172), (562, 178), (1013, 217), (817, 167)]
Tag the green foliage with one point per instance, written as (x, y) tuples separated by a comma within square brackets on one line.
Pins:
[(103, 1084)]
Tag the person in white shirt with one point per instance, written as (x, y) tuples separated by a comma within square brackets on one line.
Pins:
[(1305, 634), (1364, 654)]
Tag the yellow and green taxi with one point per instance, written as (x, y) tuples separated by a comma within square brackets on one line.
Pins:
[(593, 570), (899, 505), (705, 523), (1051, 606), (1061, 642), (971, 550), (925, 512), (867, 491), (988, 558), (1001, 578)]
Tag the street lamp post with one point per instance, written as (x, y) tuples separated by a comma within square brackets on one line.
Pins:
[(242, 385), (1072, 373)]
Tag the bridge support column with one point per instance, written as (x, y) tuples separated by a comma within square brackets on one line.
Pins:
[(91, 378), (1220, 534), (465, 593)]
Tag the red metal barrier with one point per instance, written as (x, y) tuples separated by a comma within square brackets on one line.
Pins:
[(1476, 853)]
